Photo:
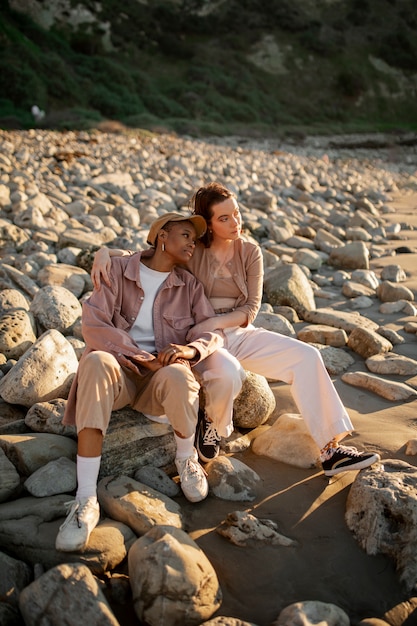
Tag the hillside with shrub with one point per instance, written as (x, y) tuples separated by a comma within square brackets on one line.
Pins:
[(201, 67)]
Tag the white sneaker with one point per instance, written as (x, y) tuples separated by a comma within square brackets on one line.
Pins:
[(82, 518), (193, 478)]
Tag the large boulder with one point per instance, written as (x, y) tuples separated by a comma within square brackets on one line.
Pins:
[(255, 402), (172, 580), (288, 285), (44, 372), (381, 511)]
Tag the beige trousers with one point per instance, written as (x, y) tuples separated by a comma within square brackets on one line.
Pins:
[(104, 386)]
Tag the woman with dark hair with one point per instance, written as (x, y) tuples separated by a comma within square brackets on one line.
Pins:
[(231, 270)]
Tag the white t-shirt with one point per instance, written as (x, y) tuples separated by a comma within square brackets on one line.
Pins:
[(142, 331)]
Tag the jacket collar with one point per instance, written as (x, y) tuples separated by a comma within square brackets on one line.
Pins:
[(132, 270)]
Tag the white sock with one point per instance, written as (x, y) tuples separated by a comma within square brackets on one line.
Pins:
[(185, 447), (87, 475)]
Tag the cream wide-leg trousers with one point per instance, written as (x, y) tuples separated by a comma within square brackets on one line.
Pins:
[(282, 358)]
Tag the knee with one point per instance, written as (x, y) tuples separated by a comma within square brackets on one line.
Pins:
[(178, 376), (97, 360), (223, 367), (311, 355), (96, 367)]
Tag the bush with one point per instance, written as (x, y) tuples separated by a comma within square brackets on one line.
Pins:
[(350, 84)]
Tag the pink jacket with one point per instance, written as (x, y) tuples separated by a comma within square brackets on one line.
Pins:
[(110, 312)]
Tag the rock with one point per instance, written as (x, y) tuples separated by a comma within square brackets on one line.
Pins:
[(243, 529), (289, 441), (46, 417), (391, 292), (43, 373), (70, 590), (57, 476), (20, 279), (11, 299), (366, 342), (288, 285), (336, 360), (14, 577), (357, 234), (227, 621), (309, 258), (238, 442), (401, 613), (361, 302), (411, 447), (366, 277), (410, 327), (393, 337), (172, 580), (275, 323), (132, 441), (230, 479), (311, 612), (28, 528), (85, 240), (387, 308), (72, 278), (138, 506), (320, 333), (339, 319), (10, 479), (31, 451), (255, 402), (157, 479), (17, 333), (288, 312), (56, 307), (381, 511), (393, 273), (326, 242), (392, 364), (352, 289), (388, 389), (350, 256)]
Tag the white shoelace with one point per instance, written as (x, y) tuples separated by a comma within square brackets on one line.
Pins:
[(191, 467), (348, 450), (72, 511), (211, 438)]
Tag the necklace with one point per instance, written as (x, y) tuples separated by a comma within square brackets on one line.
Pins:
[(221, 269)]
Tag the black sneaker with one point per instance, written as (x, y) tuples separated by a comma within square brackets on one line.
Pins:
[(206, 439), (343, 459)]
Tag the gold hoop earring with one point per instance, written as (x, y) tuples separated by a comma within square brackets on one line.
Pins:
[(163, 247)]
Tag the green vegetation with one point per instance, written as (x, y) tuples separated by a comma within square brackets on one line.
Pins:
[(172, 67)]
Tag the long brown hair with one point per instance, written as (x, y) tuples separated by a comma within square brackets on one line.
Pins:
[(202, 202)]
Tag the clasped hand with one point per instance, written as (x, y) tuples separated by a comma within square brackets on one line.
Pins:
[(172, 353)]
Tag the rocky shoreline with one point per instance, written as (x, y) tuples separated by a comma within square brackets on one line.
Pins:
[(335, 276)]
